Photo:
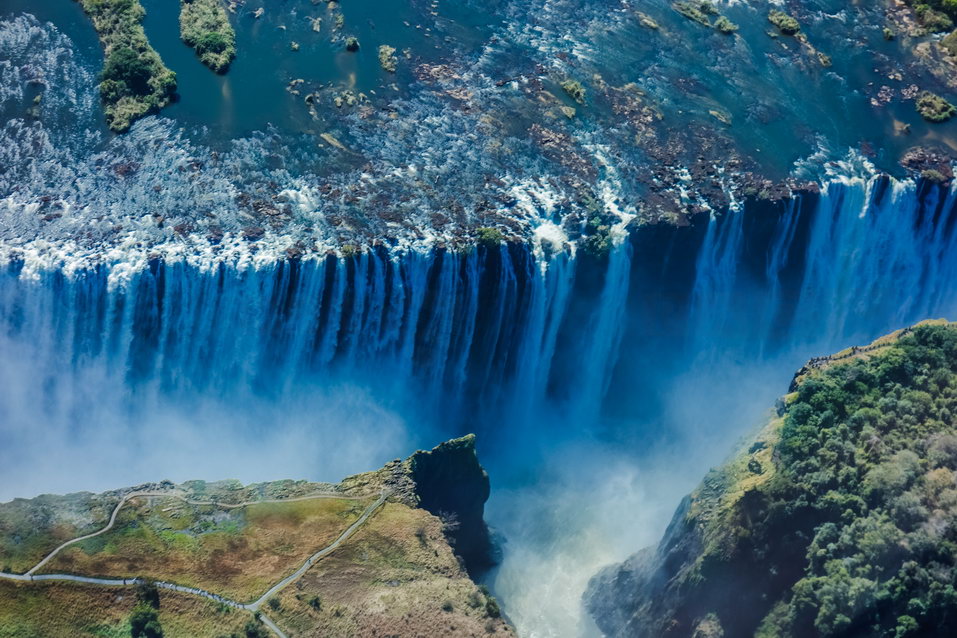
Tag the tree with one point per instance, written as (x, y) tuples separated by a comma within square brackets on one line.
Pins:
[(144, 622), (132, 69)]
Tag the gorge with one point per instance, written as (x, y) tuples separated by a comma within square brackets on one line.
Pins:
[(601, 236)]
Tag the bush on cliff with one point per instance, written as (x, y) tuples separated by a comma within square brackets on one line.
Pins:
[(849, 530)]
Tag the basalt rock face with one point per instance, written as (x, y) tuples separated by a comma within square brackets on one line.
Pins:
[(450, 483), (836, 520)]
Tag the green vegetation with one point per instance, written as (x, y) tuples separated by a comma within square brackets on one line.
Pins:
[(697, 11), (31, 528), (950, 42), (387, 58), (489, 237), (574, 89), (134, 81), (933, 176), (491, 605), (597, 237), (934, 108), (144, 622), (236, 552), (866, 474), (934, 15), (204, 25), (725, 26), (839, 519), (254, 629), (69, 610), (932, 19), (785, 23)]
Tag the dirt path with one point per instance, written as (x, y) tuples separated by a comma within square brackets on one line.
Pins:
[(32, 576)]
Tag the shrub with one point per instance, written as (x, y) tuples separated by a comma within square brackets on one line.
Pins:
[(694, 11), (128, 70), (144, 622), (204, 25), (574, 89), (950, 42), (148, 593), (489, 237), (785, 23), (387, 58), (934, 108), (932, 176), (254, 629), (725, 26), (134, 80), (933, 20), (211, 42)]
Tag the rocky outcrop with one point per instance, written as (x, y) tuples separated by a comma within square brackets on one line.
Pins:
[(450, 483), (830, 523)]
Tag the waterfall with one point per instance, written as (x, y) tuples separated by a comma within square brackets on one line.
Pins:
[(435, 325), (467, 335), (855, 261)]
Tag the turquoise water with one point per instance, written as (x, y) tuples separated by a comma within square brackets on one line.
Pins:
[(253, 94), (783, 104)]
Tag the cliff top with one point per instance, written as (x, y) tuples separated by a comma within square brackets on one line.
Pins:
[(215, 557)]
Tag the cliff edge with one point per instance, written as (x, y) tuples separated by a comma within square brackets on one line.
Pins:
[(838, 519), (381, 553)]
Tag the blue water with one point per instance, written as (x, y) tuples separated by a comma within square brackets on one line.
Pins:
[(224, 292)]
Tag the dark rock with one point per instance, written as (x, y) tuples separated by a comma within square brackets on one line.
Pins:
[(450, 483)]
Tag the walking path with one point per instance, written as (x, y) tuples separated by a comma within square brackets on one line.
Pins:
[(32, 576)]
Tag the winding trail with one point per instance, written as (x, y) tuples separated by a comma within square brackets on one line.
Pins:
[(32, 576)]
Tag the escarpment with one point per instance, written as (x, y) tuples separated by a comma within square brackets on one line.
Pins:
[(836, 520)]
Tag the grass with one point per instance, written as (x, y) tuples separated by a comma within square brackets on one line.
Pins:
[(80, 610), (30, 529), (204, 26), (238, 553), (134, 82), (394, 577)]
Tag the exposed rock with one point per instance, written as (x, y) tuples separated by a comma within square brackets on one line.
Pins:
[(818, 527), (450, 483)]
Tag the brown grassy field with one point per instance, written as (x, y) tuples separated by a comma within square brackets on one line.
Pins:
[(396, 577), (31, 528), (71, 610), (238, 553)]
